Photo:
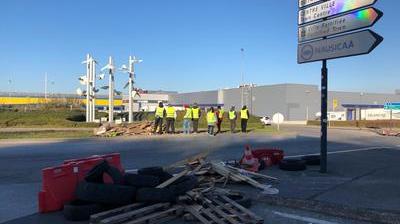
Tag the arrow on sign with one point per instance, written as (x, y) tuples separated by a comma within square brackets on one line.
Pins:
[(353, 44), (331, 8), (353, 21)]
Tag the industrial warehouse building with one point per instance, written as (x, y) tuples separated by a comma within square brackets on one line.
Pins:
[(295, 101)]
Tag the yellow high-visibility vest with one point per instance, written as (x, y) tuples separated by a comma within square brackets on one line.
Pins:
[(221, 113), (170, 112), (243, 114), (196, 113), (160, 112), (211, 117), (188, 114), (232, 115)]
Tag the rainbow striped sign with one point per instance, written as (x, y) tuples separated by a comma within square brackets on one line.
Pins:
[(331, 8), (353, 21)]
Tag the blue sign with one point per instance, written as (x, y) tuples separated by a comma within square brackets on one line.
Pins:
[(392, 106)]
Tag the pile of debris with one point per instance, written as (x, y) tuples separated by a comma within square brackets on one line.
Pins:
[(137, 128), (388, 132), (205, 200)]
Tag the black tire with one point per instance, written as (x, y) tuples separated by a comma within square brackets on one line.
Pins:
[(110, 194), (95, 175), (241, 199), (155, 171), (155, 195), (115, 174), (81, 210), (314, 160), (184, 185), (292, 165), (139, 180)]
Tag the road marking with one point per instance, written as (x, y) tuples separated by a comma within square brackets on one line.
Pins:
[(304, 219), (343, 151)]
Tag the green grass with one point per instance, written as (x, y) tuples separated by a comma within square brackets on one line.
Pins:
[(46, 134), (42, 118)]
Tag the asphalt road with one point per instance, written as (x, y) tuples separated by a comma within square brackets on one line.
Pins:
[(21, 161)]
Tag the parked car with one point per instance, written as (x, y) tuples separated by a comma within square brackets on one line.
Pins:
[(266, 120)]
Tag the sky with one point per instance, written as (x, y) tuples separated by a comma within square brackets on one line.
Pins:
[(186, 45)]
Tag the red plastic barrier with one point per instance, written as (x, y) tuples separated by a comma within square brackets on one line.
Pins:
[(276, 155), (58, 187), (59, 183)]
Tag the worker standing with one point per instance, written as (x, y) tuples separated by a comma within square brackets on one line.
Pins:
[(187, 119), (196, 112), (171, 116), (159, 117), (244, 117), (220, 117), (211, 119), (232, 119)]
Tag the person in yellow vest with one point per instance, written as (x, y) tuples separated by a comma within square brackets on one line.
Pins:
[(159, 117), (196, 114), (211, 120), (171, 116), (232, 119), (220, 117), (244, 117), (187, 119)]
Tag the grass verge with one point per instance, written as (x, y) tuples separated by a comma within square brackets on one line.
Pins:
[(46, 134)]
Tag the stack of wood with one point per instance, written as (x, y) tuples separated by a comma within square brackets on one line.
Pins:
[(208, 203), (137, 128)]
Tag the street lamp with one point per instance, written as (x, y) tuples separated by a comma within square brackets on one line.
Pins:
[(111, 69)]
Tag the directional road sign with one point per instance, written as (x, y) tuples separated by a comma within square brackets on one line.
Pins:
[(331, 8), (392, 106), (353, 44), (304, 3), (353, 21)]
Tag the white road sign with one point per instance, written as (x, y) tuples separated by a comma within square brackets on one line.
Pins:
[(353, 21), (337, 47), (331, 8)]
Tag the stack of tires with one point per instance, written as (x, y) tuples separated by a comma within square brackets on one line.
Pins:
[(299, 164), (94, 196)]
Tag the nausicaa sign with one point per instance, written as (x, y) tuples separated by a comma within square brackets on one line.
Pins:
[(337, 47)]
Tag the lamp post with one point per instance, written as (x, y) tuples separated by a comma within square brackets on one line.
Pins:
[(132, 61)]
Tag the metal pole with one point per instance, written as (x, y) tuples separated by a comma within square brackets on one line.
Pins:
[(131, 76), (93, 87), (90, 91), (324, 117), (87, 87), (242, 76), (111, 92)]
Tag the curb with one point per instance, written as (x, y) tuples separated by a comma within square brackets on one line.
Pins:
[(361, 214)]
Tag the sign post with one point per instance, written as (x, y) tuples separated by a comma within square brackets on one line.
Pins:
[(334, 17)]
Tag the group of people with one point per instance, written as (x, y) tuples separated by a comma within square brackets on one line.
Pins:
[(193, 113)]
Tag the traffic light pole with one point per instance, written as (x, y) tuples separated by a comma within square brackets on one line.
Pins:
[(324, 116)]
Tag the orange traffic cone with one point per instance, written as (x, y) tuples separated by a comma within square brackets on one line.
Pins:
[(249, 161)]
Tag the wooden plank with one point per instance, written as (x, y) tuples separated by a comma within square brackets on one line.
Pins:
[(219, 211), (192, 210), (157, 216), (99, 216), (243, 209), (233, 211), (252, 173), (173, 179), (134, 214), (213, 217)]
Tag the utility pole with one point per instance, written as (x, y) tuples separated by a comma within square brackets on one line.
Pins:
[(87, 88), (132, 61), (110, 90), (92, 89)]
